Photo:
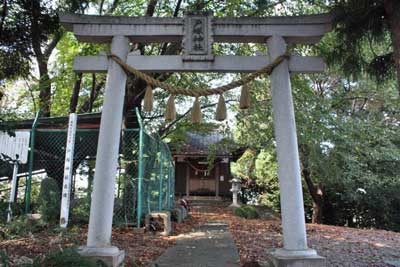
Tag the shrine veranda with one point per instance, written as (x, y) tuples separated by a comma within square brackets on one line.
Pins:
[(197, 32)]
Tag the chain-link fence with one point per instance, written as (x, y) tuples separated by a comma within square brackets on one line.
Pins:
[(144, 180)]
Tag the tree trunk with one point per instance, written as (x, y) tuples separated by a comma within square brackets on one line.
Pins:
[(44, 88), (87, 106), (317, 206), (42, 56), (93, 94), (316, 196), (75, 94), (392, 10)]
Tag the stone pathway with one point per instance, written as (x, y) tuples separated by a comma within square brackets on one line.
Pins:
[(210, 245)]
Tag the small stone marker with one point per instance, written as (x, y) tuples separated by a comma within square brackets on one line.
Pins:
[(165, 215)]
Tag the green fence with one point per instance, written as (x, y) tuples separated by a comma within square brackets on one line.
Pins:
[(144, 180)]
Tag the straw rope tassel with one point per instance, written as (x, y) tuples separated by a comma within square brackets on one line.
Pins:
[(245, 97), (148, 99), (170, 111), (196, 111), (220, 114)]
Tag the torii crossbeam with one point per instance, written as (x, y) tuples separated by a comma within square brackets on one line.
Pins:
[(197, 32)]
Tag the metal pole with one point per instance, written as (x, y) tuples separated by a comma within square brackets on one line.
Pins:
[(140, 171), (169, 188), (13, 191), (161, 177), (31, 156)]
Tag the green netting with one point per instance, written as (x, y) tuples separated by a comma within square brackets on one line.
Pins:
[(158, 176), (155, 168)]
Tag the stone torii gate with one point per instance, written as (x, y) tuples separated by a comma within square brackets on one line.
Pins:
[(197, 32)]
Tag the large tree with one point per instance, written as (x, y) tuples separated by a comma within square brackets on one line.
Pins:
[(372, 22), (29, 33)]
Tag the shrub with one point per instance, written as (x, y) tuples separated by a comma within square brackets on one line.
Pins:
[(49, 200), (67, 257), (17, 209), (80, 211), (239, 212), (251, 212), (22, 225), (248, 212), (4, 259)]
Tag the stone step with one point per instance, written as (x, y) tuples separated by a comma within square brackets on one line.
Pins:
[(210, 203), (204, 198)]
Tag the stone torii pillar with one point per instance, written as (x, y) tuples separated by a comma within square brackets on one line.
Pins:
[(102, 204), (291, 195)]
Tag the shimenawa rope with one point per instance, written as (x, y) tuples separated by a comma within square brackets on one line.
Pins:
[(197, 92)]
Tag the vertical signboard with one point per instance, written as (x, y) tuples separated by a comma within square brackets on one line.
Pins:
[(14, 149), (68, 167)]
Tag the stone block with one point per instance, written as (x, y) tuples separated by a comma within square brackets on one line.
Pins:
[(310, 261), (111, 256), (165, 216)]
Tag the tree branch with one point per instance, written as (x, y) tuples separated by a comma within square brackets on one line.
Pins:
[(101, 7), (95, 92), (151, 8), (176, 11), (32, 96), (50, 47), (163, 132), (75, 94), (35, 31)]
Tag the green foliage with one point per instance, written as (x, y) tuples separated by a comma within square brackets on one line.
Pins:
[(49, 200), (364, 184), (348, 141), (251, 212), (66, 257), (64, 77), (17, 209), (363, 38), (4, 259), (239, 212), (80, 211), (248, 212), (22, 226)]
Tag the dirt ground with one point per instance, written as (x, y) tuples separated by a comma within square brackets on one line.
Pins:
[(341, 246)]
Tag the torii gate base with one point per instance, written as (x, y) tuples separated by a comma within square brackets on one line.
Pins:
[(311, 261), (197, 33)]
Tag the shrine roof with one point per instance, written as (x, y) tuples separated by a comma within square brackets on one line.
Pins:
[(200, 144)]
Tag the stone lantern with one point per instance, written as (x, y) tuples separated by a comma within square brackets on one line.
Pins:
[(236, 185)]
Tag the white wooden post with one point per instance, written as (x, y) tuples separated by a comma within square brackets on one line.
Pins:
[(13, 191), (68, 168), (291, 195), (187, 180), (102, 204)]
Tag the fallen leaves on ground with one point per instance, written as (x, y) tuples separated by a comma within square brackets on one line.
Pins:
[(341, 246)]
